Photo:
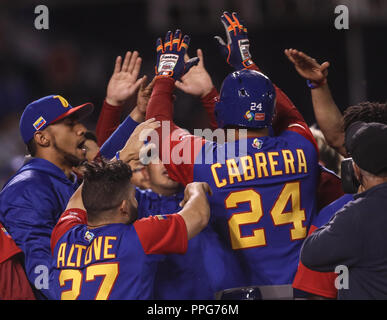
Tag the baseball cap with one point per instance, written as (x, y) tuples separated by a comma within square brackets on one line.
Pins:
[(367, 145), (47, 110)]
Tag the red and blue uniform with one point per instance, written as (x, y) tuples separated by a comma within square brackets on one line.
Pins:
[(178, 277), (264, 199), (115, 261)]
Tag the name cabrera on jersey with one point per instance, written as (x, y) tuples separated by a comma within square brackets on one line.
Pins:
[(264, 199)]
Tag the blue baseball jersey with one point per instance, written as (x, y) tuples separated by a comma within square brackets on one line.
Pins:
[(178, 277), (264, 199), (115, 261)]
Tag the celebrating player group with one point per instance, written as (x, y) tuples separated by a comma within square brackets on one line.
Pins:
[(147, 210)]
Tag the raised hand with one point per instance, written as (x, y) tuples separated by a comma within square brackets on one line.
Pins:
[(170, 56), (124, 83), (135, 147), (144, 94), (236, 50), (307, 67), (196, 81)]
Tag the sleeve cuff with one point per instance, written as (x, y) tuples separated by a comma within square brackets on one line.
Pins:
[(209, 97), (110, 106)]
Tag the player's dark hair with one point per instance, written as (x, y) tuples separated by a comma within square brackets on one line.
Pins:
[(105, 185), (90, 135), (366, 112)]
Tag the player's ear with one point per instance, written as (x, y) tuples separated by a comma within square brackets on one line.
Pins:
[(357, 172), (124, 209), (42, 139), (128, 211)]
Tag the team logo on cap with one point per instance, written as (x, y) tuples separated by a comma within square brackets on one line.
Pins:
[(62, 100), (38, 124)]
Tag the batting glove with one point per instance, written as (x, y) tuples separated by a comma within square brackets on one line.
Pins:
[(170, 56), (236, 51)]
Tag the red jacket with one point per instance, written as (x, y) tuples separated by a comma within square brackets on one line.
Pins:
[(13, 280)]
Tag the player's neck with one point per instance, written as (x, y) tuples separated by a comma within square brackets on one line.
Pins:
[(54, 159), (109, 217), (373, 182)]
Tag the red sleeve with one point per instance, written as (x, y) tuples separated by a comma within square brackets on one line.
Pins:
[(69, 219), (160, 105), (8, 247), (177, 148), (14, 284), (208, 103), (108, 121), (317, 283), (162, 234), (179, 153), (329, 189), (287, 117)]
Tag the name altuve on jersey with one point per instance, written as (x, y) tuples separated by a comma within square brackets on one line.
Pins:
[(78, 255)]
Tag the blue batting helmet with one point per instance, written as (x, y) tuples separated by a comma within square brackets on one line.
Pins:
[(247, 99)]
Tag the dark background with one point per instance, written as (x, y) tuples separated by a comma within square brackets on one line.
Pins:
[(75, 57)]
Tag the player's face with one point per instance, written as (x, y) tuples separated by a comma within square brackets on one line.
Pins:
[(67, 138), (92, 149), (140, 177), (159, 177)]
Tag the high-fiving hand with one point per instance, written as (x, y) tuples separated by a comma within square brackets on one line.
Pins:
[(236, 51), (196, 81), (170, 56), (308, 68), (124, 83), (144, 94)]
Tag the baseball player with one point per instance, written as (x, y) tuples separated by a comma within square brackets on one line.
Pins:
[(178, 277), (102, 252), (32, 200), (333, 125), (264, 197)]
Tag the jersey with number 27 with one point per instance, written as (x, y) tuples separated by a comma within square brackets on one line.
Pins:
[(116, 261)]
